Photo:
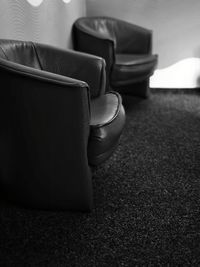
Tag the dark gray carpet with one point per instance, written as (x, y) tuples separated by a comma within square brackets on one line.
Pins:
[(147, 199)]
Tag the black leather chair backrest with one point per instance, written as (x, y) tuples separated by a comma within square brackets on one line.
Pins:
[(117, 31), (51, 59), (102, 26), (19, 52), (44, 127)]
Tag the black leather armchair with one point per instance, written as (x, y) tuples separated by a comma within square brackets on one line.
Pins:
[(126, 48), (56, 122)]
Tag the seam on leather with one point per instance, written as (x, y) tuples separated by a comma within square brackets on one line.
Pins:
[(115, 115), (4, 53), (149, 49), (102, 79), (91, 34), (152, 62), (130, 81), (37, 76), (37, 55), (95, 138)]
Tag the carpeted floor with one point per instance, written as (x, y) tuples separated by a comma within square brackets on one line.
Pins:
[(147, 199)]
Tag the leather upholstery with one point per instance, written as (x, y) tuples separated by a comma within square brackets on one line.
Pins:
[(106, 124), (119, 43), (22, 53), (45, 127), (91, 31), (130, 68)]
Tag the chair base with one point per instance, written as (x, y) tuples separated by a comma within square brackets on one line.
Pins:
[(140, 89)]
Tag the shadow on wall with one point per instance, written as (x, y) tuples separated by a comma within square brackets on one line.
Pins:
[(183, 74), (197, 52)]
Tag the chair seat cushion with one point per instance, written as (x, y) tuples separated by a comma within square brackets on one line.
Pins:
[(106, 124), (132, 68)]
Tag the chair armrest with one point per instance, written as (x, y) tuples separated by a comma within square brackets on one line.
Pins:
[(94, 43), (77, 65), (133, 39)]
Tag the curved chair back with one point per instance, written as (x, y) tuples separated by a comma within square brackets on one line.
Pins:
[(126, 48), (44, 129)]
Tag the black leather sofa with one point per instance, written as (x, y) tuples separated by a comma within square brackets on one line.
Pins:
[(126, 48), (56, 122)]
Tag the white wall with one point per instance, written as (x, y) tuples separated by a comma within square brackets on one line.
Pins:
[(50, 22), (175, 25), (176, 34)]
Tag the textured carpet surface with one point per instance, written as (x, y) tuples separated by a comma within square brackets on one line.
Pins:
[(147, 199)]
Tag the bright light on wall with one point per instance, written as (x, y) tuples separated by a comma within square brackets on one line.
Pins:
[(182, 74), (39, 2), (35, 2), (66, 1)]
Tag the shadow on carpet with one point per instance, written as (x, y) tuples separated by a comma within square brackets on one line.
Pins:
[(147, 199)]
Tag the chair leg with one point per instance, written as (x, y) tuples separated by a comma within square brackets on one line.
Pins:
[(140, 89)]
